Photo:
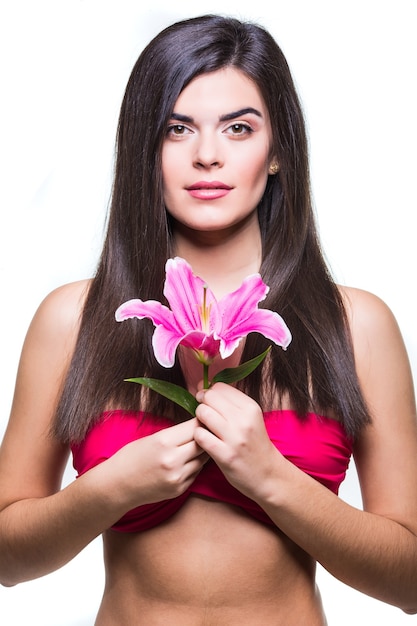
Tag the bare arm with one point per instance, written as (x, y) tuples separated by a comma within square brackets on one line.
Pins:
[(32, 518), (374, 550), (41, 526)]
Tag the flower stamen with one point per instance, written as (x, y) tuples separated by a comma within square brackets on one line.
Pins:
[(205, 312)]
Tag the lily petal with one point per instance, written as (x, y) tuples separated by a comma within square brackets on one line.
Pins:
[(185, 293), (263, 321), (243, 302), (166, 336), (165, 344), (199, 341), (152, 309)]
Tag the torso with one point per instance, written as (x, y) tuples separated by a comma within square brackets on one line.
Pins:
[(208, 565)]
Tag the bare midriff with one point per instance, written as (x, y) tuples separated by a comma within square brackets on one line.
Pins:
[(209, 565)]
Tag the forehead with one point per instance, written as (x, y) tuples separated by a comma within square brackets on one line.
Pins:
[(224, 90)]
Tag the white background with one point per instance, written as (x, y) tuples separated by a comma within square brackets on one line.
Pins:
[(64, 66)]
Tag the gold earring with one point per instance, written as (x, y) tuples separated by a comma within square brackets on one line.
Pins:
[(273, 168)]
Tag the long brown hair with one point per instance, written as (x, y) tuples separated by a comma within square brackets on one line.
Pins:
[(318, 368)]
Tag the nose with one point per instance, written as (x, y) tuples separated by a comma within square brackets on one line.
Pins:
[(208, 151)]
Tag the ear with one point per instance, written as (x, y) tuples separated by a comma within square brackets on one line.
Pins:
[(274, 167)]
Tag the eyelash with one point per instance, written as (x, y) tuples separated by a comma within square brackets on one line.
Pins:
[(173, 127), (245, 128)]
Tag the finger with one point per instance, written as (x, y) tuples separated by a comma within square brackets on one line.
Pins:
[(218, 406), (222, 397), (209, 442), (211, 420), (192, 471), (191, 450), (181, 433)]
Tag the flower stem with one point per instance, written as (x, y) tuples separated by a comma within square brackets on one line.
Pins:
[(206, 383)]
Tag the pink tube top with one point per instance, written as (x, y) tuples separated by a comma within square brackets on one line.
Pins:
[(317, 445)]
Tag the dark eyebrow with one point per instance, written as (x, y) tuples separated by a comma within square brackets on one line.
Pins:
[(234, 114), (186, 119), (182, 118)]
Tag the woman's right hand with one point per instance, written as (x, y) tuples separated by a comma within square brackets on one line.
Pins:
[(158, 467)]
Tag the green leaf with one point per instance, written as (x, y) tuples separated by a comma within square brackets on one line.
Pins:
[(233, 374), (177, 394), (184, 398)]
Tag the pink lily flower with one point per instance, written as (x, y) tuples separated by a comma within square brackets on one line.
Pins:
[(198, 321)]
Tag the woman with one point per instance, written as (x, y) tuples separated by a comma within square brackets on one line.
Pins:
[(219, 518)]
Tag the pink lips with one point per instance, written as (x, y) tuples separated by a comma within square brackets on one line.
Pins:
[(208, 190)]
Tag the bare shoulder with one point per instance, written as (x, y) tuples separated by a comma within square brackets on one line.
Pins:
[(49, 344), (61, 309), (31, 460), (373, 326), (365, 308), (381, 357)]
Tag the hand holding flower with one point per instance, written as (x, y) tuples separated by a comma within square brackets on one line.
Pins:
[(240, 447)]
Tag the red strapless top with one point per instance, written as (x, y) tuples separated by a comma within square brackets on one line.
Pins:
[(317, 445)]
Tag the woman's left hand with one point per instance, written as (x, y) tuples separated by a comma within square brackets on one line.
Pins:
[(232, 431)]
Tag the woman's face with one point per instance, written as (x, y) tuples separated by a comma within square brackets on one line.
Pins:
[(217, 152)]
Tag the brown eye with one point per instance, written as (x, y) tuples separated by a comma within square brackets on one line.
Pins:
[(238, 129), (177, 130)]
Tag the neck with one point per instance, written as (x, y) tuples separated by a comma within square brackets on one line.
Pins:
[(224, 259)]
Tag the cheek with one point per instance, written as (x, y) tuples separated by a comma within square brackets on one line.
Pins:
[(254, 166), (255, 177), (169, 160), (169, 174), (165, 166)]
